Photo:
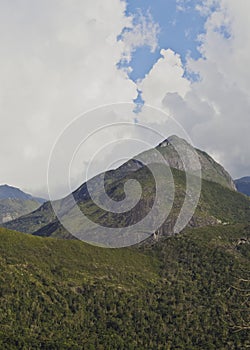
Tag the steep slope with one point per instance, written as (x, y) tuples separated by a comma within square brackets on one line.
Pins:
[(243, 185), (186, 292), (15, 203), (211, 170), (219, 202)]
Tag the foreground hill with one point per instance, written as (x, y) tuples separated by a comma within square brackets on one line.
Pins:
[(243, 185), (15, 203), (186, 292), (219, 202)]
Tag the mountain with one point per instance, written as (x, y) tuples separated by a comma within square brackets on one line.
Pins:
[(243, 185), (189, 291), (15, 203), (10, 192), (181, 291), (211, 170), (219, 202)]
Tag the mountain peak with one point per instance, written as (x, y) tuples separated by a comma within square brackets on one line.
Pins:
[(173, 139), (11, 192), (7, 191), (211, 170)]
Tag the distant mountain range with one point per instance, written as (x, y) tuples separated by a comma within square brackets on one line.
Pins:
[(219, 201), (15, 203), (243, 185)]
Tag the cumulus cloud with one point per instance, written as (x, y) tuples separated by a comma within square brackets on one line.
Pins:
[(57, 59), (215, 108), (165, 75), (143, 32)]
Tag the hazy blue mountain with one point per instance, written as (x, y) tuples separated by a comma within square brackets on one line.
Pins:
[(10, 192), (243, 185)]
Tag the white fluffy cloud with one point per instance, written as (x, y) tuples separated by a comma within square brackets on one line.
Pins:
[(215, 110), (144, 32), (57, 59), (166, 75)]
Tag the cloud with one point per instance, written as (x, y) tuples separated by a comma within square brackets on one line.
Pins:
[(143, 32), (57, 60), (166, 75), (183, 5), (214, 108)]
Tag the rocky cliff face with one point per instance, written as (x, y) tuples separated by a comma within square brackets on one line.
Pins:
[(210, 169), (182, 156)]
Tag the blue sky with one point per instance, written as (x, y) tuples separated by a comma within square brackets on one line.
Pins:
[(179, 30), (59, 59)]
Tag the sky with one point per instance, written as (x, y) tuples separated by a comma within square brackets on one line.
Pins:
[(188, 60)]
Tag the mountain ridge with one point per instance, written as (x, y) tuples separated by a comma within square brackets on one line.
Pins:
[(11, 192), (209, 211)]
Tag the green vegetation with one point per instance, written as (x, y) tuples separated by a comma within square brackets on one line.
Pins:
[(185, 292), (189, 291)]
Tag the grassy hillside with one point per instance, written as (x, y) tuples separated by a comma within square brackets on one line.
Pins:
[(186, 292)]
